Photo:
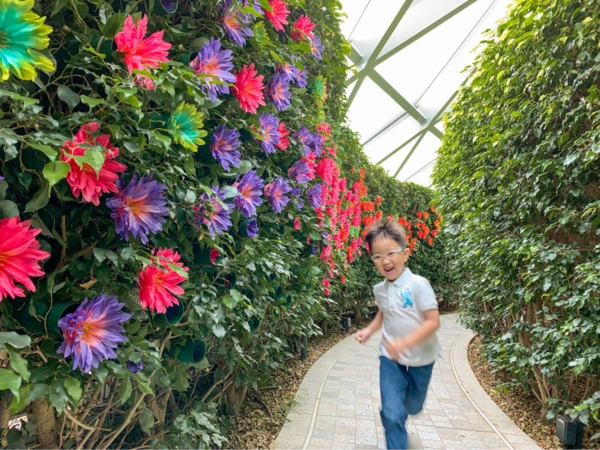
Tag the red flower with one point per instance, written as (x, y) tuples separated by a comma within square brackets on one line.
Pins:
[(325, 282), (378, 200), (419, 215), (326, 170), (434, 233), (20, 256), (367, 206), (432, 208), (324, 128), (302, 29), (284, 140), (343, 278), (83, 179), (278, 14), (326, 291), (248, 88), (378, 215), (430, 241), (214, 255), (140, 53), (159, 284), (296, 224)]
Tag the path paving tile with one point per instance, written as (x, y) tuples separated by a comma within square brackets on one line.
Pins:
[(337, 405)]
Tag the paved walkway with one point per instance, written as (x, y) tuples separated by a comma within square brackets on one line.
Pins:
[(338, 403)]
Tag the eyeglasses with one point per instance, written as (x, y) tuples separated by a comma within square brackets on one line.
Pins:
[(389, 255)]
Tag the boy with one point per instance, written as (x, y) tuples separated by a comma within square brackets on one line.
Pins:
[(409, 314)]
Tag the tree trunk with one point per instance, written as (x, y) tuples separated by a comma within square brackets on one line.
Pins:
[(4, 413), (235, 397), (357, 315), (47, 428)]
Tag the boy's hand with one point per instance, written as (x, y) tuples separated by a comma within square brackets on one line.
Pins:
[(395, 348), (362, 336)]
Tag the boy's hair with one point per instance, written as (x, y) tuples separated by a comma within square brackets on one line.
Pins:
[(386, 229)]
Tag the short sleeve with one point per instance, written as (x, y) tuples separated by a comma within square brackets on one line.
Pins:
[(424, 295)]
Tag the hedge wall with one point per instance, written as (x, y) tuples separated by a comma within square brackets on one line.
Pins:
[(518, 182), (174, 211)]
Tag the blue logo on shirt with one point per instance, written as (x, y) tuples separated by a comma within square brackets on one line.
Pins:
[(407, 298)]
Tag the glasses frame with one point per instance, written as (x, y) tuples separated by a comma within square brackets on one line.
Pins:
[(396, 252)]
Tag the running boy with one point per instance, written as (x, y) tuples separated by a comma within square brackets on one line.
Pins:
[(409, 314)]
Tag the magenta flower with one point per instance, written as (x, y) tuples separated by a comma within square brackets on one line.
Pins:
[(224, 145), (249, 187), (216, 216), (275, 193), (314, 195), (252, 228), (236, 23), (302, 171), (269, 132), (216, 64), (278, 91), (304, 138), (92, 332), (139, 208)]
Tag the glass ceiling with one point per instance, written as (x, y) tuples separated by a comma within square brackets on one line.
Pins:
[(409, 57)]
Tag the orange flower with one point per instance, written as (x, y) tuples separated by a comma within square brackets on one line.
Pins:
[(430, 241), (432, 208), (425, 215)]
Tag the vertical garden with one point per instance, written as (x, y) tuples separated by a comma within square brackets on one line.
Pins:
[(518, 180), (179, 198)]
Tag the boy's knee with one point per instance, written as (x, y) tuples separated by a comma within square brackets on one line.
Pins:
[(393, 415), (414, 409)]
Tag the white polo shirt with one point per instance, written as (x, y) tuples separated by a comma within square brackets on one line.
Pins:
[(403, 302)]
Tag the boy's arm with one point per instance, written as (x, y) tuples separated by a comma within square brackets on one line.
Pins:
[(364, 334)]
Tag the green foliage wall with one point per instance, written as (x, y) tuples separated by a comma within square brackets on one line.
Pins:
[(518, 182)]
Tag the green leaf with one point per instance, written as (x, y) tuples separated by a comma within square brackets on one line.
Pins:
[(14, 339), (38, 390), (55, 171), (146, 420), (27, 100), (101, 372), (46, 150), (145, 388), (68, 96), (102, 253), (9, 209), (245, 166), (125, 391), (18, 403), (114, 25), (40, 199), (178, 270), (17, 362), (10, 381), (218, 330), (228, 301), (73, 387), (91, 102)]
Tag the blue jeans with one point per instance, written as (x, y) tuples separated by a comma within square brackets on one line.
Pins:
[(403, 391)]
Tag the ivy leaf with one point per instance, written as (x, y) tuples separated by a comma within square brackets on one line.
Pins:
[(9, 209), (91, 102), (68, 96), (46, 150), (125, 391), (55, 171), (73, 387), (10, 381), (146, 420), (113, 25), (14, 339), (218, 330), (17, 362), (39, 200)]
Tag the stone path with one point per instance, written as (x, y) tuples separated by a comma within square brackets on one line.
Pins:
[(338, 403)]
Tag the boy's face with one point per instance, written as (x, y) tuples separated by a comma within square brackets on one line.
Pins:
[(391, 267)]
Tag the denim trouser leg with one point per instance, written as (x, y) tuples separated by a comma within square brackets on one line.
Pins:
[(403, 391)]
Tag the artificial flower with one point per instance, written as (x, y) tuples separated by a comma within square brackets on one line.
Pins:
[(186, 125), (297, 224), (224, 145), (316, 48), (314, 195), (214, 212), (252, 228), (20, 257), (284, 140), (141, 53), (134, 367), (92, 333), (304, 138), (159, 283), (278, 14), (214, 255), (249, 188), (278, 91), (139, 208), (236, 23), (302, 29), (326, 170), (216, 65), (302, 171), (82, 177), (269, 132), (22, 35), (275, 193), (248, 89)]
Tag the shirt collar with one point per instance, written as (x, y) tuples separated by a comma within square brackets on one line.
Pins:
[(401, 279)]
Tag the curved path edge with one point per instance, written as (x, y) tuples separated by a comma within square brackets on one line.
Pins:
[(337, 404)]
